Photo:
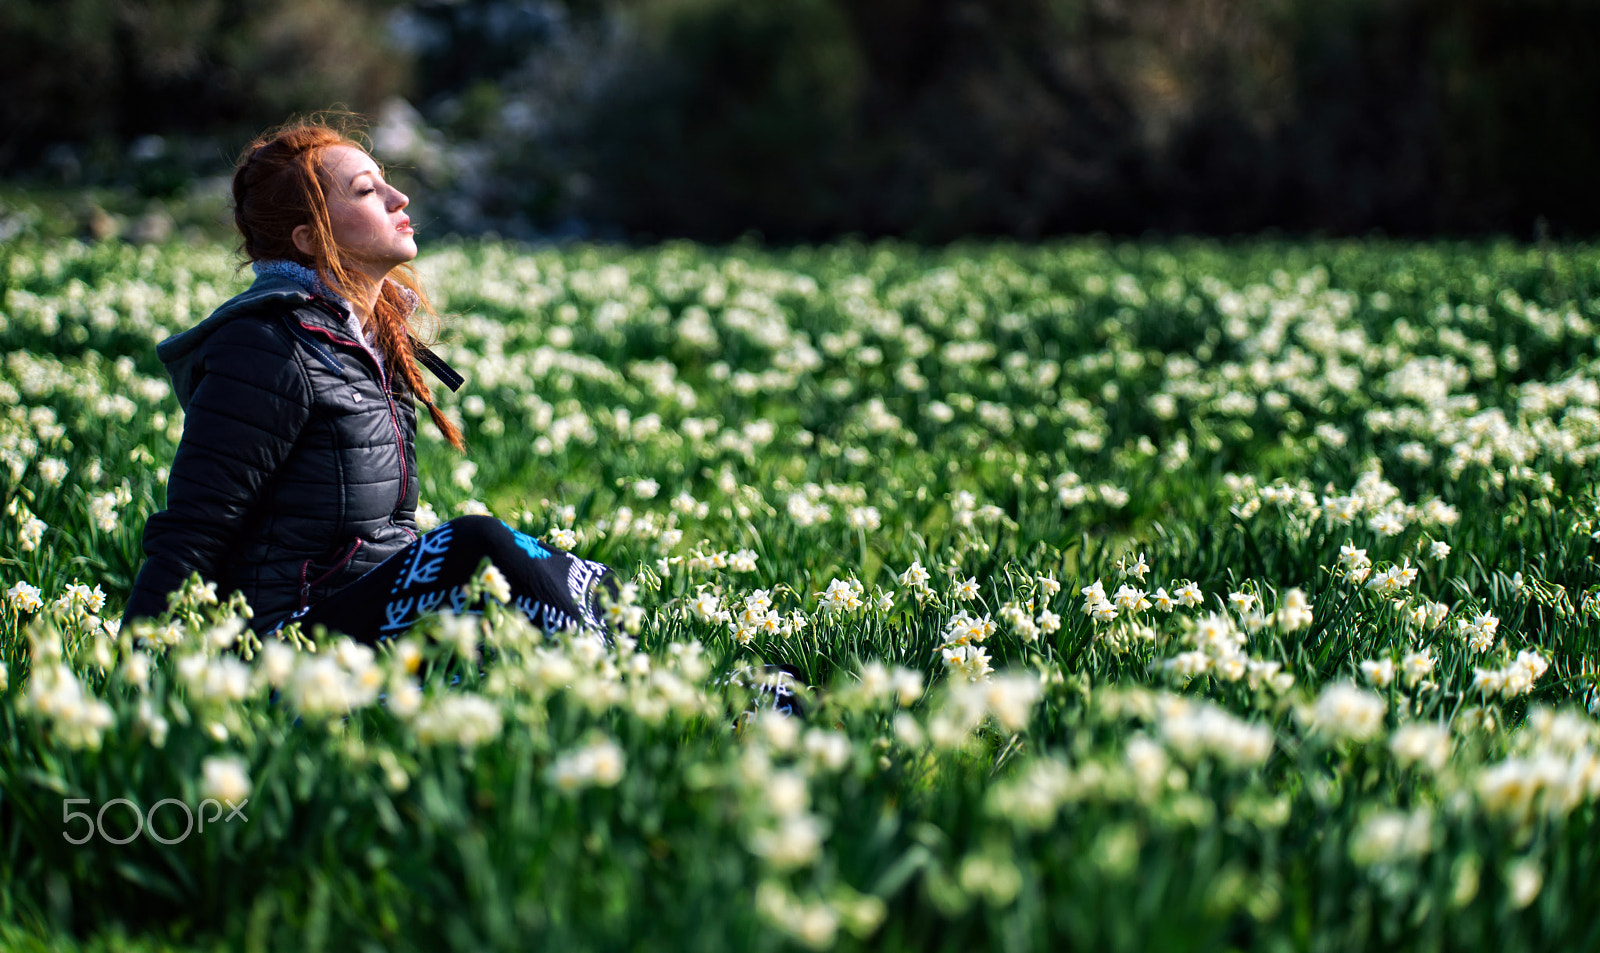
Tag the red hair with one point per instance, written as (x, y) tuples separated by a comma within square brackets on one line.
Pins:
[(277, 187)]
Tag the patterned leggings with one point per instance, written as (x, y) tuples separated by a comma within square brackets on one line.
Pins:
[(554, 589)]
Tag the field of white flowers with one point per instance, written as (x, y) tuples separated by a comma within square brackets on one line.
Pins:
[(1181, 596)]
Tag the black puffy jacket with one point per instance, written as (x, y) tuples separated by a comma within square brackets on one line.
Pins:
[(297, 469)]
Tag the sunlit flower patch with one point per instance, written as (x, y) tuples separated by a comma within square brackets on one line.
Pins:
[(1114, 593)]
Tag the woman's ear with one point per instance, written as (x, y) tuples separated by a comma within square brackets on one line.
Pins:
[(301, 236)]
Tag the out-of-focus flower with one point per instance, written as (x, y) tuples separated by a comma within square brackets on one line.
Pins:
[(1344, 711), (495, 584), (1426, 745), (1294, 612), (599, 763), (465, 720), (1195, 729), (795, 841), (1387, 837), (1524, 880), (225, 778)]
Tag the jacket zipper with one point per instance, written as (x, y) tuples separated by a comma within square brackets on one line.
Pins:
[(394, 413), (399, 440), (305, 568)]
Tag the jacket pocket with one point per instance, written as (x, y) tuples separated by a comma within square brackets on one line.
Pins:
[(314, 573)]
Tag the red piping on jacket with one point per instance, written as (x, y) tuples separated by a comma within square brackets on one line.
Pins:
[(305, 587)]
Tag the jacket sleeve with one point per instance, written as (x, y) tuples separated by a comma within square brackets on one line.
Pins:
[(250, 403)]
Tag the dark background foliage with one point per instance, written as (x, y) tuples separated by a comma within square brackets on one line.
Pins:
[(802, 119)]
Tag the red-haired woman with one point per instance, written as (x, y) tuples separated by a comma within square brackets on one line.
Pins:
[(295, 481)]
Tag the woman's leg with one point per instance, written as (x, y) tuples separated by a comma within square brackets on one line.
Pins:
[(553, 588)]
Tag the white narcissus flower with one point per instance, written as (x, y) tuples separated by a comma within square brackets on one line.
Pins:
[(707, 607), (1130, 599), (1480, 632), (1380, 672), (52, 471), (1189, 595), (32, 532), (24, 598), (841, 596), (1417, 666), (1139, 568), (496, 584)]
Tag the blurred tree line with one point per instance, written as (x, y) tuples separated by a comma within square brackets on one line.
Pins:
[(802, 119)]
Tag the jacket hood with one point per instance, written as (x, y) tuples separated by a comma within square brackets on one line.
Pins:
[(178, 352), (276, 294)]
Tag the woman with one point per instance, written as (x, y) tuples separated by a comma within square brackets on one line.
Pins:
[(295, 481)]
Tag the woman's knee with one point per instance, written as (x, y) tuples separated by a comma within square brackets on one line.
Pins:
[(505, 547), (482, 533)]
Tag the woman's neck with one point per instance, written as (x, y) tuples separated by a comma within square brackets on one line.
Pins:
[(365, 296)]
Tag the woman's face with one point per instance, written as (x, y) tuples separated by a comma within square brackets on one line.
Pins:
[(370, 226)]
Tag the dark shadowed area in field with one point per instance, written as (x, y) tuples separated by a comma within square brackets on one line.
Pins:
[(805, 119)]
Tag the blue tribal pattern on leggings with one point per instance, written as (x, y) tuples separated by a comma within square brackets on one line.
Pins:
[(553, 589)]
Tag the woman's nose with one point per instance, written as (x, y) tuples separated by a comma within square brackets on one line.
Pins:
[(398, 200)]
